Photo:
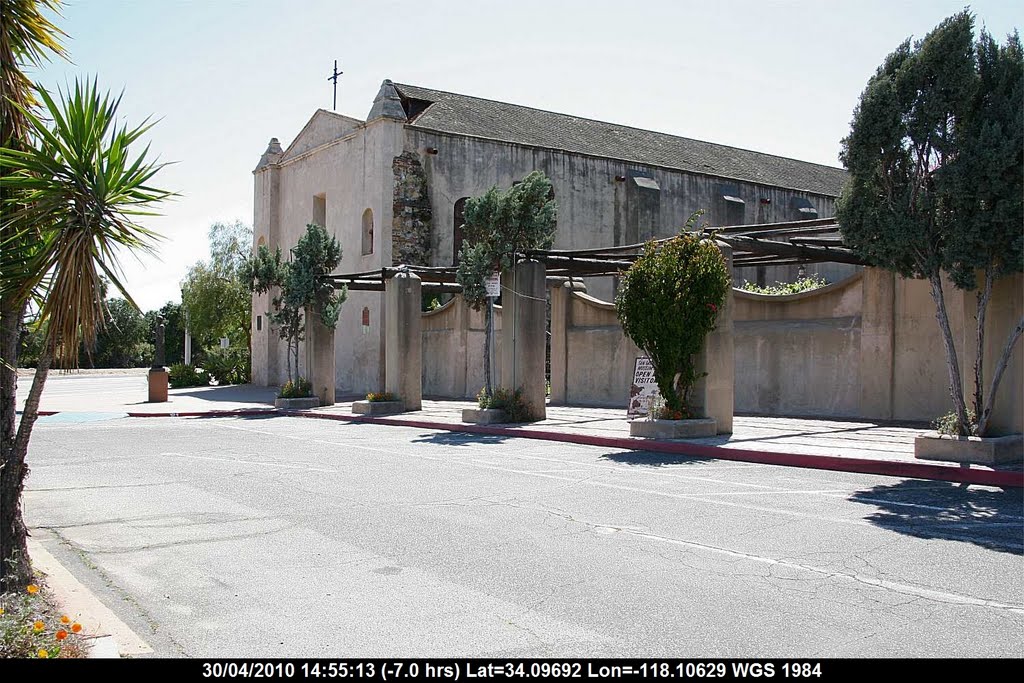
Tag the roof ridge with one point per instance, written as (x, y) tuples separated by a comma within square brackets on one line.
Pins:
[(620, 125)]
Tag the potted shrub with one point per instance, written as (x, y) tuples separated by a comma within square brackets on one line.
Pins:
[(668, 302), (379, 403), (297, 393), (503, 405)]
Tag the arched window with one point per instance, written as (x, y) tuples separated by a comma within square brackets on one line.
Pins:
[(367, 232), (460, 219)]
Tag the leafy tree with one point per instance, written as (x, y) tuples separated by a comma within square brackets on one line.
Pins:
[(302, 290), (123, 341), (667, 302), (935, 161), (215, 293), (72, 192), (498, 226)]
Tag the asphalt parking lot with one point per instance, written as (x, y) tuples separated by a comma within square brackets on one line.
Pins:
[(285, 537)]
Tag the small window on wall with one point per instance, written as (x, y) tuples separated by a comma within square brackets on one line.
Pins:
[(803, 209), (734, 208), (320, 210), (367, 232), (457, 235), (259, 323)]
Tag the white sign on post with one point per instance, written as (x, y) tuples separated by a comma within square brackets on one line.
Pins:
[(644, 389), (493, 285), (225, 342)]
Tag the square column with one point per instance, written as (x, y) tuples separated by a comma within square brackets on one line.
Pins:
[(524, 333), (403, 339)]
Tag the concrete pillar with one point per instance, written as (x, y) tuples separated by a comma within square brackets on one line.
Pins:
[(877, 343), (403, 343), (715, 394), (320, 363), (524, 333)]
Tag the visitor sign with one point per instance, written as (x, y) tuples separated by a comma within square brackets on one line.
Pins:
[(644, 389), (494, 285)]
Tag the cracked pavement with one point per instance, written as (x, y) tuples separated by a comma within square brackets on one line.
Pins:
[(317, 538)]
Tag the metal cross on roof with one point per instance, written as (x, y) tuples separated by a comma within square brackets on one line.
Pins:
[(334, 77)]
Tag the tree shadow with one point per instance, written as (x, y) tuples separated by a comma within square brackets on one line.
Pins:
[(461, 438), (238, 393), (989, 518), (653, 459)]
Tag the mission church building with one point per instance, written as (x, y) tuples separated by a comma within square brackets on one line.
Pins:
[(392, 188)]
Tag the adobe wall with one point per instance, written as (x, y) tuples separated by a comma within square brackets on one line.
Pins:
[(453, 350)]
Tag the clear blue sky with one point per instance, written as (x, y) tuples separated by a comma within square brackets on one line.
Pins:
[(226, 76)]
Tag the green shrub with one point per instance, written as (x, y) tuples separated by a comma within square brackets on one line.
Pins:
[(949, 424), (668, 302), (505, 399), (804, 284), (181, 375), (229, 366), (380, 396), (300, 388)]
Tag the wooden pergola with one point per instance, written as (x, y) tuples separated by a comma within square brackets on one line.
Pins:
[(770, 244)]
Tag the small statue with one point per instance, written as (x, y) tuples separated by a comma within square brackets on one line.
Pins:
[(160, 359)]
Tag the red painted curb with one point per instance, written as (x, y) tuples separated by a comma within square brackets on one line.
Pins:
[(912, 470)]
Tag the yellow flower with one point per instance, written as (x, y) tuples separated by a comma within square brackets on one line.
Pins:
[(1, 610), (32, 588), (43, 654), (65, 619), (38, 626)]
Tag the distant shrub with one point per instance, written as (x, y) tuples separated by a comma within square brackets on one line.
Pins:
[(804, 284), (229, 366), (300, 388), (182, 375)]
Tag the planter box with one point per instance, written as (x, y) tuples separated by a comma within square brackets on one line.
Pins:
[(973, 450), (674, 429), (484, 416), (377, 407), (297, 403)]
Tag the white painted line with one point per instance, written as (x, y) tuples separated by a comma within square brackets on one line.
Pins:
[(905, 589)]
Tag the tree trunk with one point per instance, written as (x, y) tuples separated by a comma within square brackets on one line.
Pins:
[(986, 414), (956, 389), (15, 570), (979, 358)]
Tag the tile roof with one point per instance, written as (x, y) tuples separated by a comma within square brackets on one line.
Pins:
[(465, 115)]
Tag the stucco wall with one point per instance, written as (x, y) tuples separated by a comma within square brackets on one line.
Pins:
[(453, 350), (351, 173), (593, 206)]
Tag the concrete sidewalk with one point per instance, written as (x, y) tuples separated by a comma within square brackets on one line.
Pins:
[(797, 441)]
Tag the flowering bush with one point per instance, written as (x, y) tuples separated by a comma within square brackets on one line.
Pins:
[(516, 409), (667, 303), (30, 627), (380, 396), (300, 388)]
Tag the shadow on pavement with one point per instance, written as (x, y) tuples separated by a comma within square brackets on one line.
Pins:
[(461, 438), (236, 393), (990, 518), (649, 459)]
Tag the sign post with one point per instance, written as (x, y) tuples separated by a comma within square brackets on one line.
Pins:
[(493, 286)]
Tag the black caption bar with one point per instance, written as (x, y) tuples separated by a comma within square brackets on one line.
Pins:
[(570, 669)]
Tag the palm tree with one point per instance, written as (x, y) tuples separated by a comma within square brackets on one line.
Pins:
[(76, 193), (27, 39)]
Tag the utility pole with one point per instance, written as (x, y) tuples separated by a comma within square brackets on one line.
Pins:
[(334, 77)]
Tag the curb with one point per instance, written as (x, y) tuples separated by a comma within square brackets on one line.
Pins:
[(110, 638), (885, 468), (888, 468)]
